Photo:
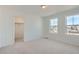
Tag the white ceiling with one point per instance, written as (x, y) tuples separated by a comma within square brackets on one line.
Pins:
[(36, 9)]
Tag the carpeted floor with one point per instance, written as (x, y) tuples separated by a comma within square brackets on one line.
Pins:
[(41, 46)]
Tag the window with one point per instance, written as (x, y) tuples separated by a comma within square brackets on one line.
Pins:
[(53, 25), (73, 24)]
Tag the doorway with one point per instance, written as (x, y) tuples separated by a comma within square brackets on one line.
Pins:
[(19, 29)]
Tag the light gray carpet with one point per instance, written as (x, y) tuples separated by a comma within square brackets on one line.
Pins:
[(39, 46)]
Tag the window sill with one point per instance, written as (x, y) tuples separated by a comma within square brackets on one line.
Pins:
[(72, 34), (53, 32)]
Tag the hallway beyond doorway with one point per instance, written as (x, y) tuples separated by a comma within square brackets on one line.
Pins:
[(19, 29)]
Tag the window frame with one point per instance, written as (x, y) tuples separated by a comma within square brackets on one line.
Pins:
[(55, 24), (74, 25)]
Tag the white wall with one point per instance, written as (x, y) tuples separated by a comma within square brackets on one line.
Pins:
[(6, 28), (32, 25), (61, 36)]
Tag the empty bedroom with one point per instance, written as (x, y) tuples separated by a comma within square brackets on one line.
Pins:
[(39, 29)]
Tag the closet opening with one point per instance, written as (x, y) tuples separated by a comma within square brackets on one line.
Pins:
[(19, 29)]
